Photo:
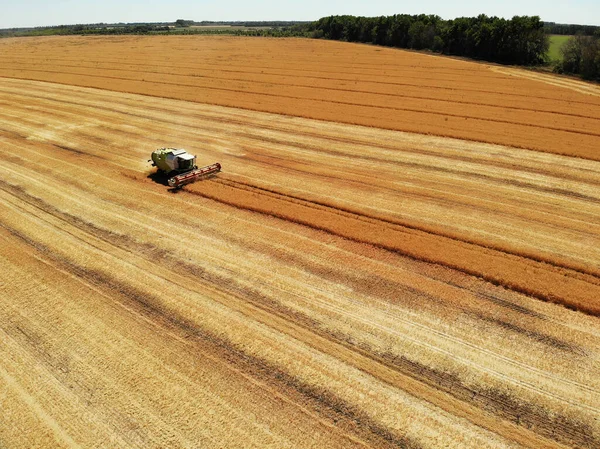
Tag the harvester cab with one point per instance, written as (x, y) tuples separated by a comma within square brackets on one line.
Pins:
[(184, 161), (180, 166)]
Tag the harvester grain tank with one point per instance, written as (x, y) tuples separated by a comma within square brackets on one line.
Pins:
[(180, 166)]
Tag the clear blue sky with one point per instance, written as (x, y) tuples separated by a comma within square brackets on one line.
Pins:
[(26, 13)]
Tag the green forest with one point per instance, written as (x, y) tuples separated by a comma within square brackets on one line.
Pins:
[(521, 40)]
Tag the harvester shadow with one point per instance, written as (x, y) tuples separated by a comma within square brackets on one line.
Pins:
[(161, 178)]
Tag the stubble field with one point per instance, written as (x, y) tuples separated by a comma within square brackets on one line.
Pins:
[(401, 250)]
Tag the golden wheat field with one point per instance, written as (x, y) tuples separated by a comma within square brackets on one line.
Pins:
[(402, 250)]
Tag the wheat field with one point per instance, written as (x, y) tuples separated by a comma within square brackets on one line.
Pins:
[(362, 273)]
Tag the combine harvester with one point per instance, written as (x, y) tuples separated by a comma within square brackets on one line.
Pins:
[(180, 166)]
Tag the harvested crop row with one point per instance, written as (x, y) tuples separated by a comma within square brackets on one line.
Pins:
[(552, 121), (535, 279), (344, 83), (497, 204), (446, 97)]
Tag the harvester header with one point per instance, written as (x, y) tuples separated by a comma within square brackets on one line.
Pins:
[(180, 166)]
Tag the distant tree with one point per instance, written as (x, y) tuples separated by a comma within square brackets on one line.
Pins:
[(182, 23), (398, 32), (140, 29), (380, 30), (581, 56), (569, 29)]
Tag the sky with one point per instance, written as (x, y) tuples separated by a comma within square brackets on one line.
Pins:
[(30, 13)]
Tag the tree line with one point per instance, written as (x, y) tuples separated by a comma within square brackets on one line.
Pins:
[(569, 29), (581, 56), (180, 26), (100, 28), (520, 40)]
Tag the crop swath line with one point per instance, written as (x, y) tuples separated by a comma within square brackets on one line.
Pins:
[(528, 186), (320, 100), (390, 71), (335, 89), (492, 272), (433, 86), (347, 140), (573, 271), (439, 195), (338, 89)]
